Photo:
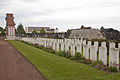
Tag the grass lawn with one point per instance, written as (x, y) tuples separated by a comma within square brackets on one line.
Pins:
[(59, 68)]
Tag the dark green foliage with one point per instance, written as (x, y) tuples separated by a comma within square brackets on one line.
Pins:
[(81, 61), (42, 31), (97, 62), (113, 69), (29, 43), (61, 53), (1, 28), (52, 51), (36, 45), (21, 40), (78, 56), (69, 31), (2, 31), (20, 30), (34, 31), (45, 49)]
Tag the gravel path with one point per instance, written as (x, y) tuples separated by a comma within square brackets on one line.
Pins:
[(14, 66)]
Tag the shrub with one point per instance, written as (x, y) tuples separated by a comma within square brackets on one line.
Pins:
[(97, 62), (112, 69), (68, 57), (81, 61), (36, 45), (71, 58), (78, 56), (61, 53), (21, 40), (29, 43), (25, 42), (52, 51), (45, 49)]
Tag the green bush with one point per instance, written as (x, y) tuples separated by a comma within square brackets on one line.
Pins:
[(36, 45), (29, 43), (112, 69), (45, 49), (21, 40), (78, 56), (52, 51), (61, 53), (97, 62), (71, 58)]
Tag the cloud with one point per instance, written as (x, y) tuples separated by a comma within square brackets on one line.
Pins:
[(60, 13)]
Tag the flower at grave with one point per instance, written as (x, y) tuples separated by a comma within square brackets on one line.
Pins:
[(42, 44), (114, 64)]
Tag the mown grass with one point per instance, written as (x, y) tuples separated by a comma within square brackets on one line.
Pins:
[(59, 68)]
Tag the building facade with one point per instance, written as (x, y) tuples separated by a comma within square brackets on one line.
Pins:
[(38, 29), (10, 25)]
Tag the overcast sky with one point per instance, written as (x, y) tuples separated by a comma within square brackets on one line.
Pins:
[(63, 14)]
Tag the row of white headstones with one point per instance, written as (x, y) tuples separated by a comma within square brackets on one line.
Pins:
[(88, 50)]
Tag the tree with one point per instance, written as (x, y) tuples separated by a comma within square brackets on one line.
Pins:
[(42, 31), (1, 28), (34, 31), (20, 30), (102, 28), (82, 27), (69, 31), (2, 32)]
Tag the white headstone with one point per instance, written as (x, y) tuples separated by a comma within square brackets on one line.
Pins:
[(103, 55), (72, 50), (66, 47), (54, 45), (112, 45), (103, 44), (93, 53), (79, 48), (62, 46), (114, 57), (86, 51), (57, 46)]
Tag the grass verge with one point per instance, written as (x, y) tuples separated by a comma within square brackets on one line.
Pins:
[(59, 68)]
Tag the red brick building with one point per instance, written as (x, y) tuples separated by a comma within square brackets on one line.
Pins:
[(10, 25)]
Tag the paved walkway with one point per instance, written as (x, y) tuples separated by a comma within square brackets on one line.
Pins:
[(13, 66)]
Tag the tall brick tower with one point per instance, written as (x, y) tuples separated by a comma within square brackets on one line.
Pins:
[(10, 26)]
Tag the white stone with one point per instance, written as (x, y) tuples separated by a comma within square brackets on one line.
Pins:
[(119, 45), (96, 43), (112, 45), (79, 47), (93, 53), (103, 55), (62, 46), (114, 57), (66, 47), (72, 50), (103, 44), (57, 46), (86, 51), (84, 42), (54, 45), (89, 43)]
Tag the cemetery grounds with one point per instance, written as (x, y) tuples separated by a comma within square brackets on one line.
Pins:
[(54, 67)]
